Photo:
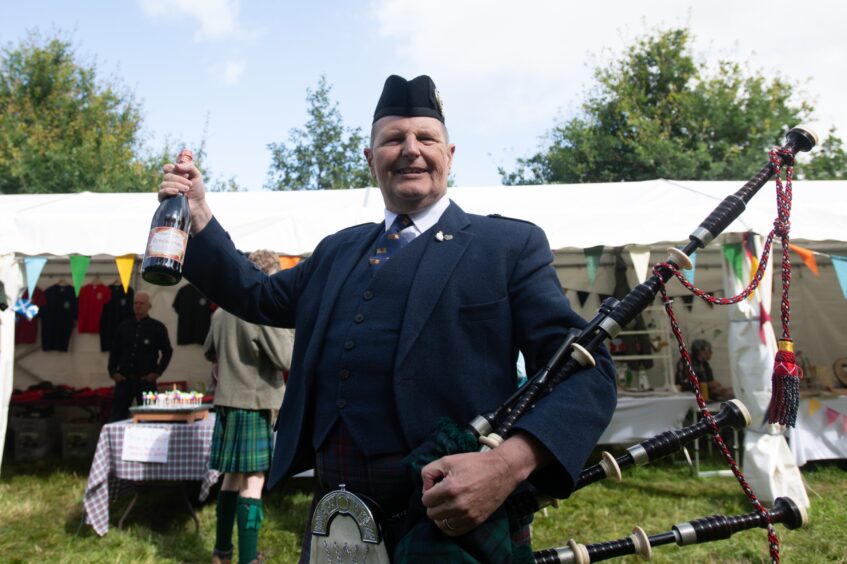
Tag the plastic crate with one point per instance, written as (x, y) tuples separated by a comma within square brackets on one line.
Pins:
[(34, 438), (79, 440)]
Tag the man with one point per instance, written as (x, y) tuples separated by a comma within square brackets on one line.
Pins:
[(250, 363), (402, 323), (140, 352)]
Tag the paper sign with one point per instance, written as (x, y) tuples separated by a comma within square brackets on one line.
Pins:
[(146, 444)]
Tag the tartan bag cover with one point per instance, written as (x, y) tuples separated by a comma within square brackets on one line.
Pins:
[(490, 542)]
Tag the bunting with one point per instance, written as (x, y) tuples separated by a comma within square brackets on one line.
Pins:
[(807, 256), (840, 266), (592, 262), (735, 258), (689, 272), (640, 257), (752, 251), (79, 266), (830, 415), (125, 264), (33, 267), (286, 262)]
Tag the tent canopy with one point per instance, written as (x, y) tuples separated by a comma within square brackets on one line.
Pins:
[(573, 215)]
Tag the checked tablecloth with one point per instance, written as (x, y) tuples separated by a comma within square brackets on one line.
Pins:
[(188, 459)]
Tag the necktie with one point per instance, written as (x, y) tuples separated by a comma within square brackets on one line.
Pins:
[(395, 238)]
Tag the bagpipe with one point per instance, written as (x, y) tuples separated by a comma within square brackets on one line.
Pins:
[(712, 528), (732, 415), (492, 428)]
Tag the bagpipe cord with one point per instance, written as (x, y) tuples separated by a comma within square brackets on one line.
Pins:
[(785, 395)]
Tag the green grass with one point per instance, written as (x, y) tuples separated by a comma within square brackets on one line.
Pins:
[(40, 514)]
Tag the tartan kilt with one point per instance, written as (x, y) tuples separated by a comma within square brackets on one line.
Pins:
[(242, 441)]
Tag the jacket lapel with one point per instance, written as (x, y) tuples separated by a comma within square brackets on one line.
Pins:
[(437, 263)]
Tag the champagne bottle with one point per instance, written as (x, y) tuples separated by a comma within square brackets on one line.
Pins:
[(168, 238)]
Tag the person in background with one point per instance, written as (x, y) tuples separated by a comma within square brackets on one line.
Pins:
[(140, 353), (250, 363), (404, 322), (701, 354)]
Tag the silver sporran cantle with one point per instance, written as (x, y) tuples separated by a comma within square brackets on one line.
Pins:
[(344, 531)]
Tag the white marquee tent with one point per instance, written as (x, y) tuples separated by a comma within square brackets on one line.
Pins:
[(574, 216), (652, 214)]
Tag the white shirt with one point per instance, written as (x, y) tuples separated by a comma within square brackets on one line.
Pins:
[(423, 219)]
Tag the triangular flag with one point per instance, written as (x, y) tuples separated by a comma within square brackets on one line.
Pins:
[(582, 297), (288, 262), (814, 406), (640, 257), (831, 416), (33, 267), (764, 317), (79, 265), (125, 264), (735, 258), (840, 266), (592, 261), (752, 253), (808, 257), (689, 272)]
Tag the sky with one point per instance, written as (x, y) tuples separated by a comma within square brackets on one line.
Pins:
[(235, 73)]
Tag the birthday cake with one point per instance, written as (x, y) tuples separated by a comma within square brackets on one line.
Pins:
[(171, 399)]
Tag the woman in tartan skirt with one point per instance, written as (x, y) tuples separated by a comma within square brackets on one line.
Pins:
[(250, 360)]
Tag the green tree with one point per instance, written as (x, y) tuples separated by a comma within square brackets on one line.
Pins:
[(657, 112), (827, 163), (324, 155), (62, 128)]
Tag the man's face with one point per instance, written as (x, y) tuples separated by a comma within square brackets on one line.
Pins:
[(410, 159), (140, 306)]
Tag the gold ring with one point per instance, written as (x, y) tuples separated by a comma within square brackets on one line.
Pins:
[(447, 525)]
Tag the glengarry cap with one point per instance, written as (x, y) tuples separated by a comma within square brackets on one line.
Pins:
[(409, 98)]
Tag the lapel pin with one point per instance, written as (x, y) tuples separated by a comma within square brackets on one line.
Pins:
[(439, 236), (448, 237)]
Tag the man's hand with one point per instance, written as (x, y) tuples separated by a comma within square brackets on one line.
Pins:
[(118, 377), (184, 178), (462, 490), (151, 377)]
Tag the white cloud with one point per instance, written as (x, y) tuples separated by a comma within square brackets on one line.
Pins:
[(231, 71), (516, 65), (217, 19)]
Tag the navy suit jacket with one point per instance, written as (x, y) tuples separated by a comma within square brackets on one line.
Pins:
[(478, 297)]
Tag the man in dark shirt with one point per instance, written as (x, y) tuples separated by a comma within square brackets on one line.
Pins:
[(140, 353)]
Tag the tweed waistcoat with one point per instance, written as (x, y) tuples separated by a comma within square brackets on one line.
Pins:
[(354, 380)]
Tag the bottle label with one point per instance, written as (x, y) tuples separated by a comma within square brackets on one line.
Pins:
[(167, 242)]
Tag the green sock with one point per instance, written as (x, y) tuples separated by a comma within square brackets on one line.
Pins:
[(249, 522), (226, 519)]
